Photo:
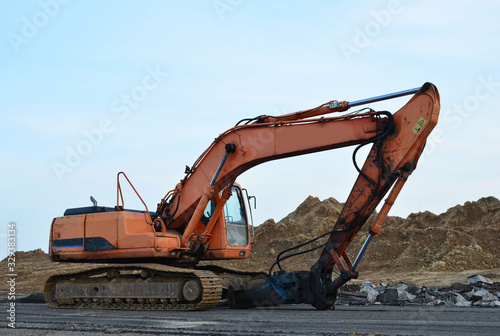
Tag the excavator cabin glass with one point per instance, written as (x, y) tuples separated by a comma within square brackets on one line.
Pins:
[(236, 219)]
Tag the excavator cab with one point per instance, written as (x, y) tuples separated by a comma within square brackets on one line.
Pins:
[(230, 237), (236, 219)]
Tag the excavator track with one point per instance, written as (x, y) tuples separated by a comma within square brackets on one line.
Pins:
[(133, 287)]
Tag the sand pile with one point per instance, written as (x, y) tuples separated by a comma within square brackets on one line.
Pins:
[(463, 238), (34, 254)]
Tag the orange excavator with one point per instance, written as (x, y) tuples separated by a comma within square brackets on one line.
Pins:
[(151, 258)]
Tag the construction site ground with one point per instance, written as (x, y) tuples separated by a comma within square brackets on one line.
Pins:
[(39, 319)]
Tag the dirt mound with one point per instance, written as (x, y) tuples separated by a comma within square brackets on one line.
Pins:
[(33, 268), (463, 238), (21, 255)]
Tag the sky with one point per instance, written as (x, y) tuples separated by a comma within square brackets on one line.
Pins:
[(92, 88)]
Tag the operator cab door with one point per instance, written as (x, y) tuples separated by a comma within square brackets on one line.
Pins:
[(236, 219), (230, 238)]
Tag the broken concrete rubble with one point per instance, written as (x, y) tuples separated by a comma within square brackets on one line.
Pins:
[(372, 294), (478, 294), (388, 295), (476, 279), (483, 296), (404, 294), (457, 295), (459, 301)]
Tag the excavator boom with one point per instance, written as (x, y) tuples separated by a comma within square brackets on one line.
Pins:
[(392, 159)]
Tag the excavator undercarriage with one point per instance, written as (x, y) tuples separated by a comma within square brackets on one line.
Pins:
[(147, 287)]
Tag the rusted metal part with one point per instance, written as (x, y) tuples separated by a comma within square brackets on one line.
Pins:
[(133, 287), (236, 279)]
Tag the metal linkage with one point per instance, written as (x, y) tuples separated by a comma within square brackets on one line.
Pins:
[(230, 148), (383, 97), (362, 251)]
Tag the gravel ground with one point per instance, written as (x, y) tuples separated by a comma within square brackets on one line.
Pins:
[(38, 319)]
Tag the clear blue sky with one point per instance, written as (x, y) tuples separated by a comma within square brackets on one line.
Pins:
[(91, 88)]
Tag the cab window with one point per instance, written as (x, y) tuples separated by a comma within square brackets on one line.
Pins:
[(236, 221)]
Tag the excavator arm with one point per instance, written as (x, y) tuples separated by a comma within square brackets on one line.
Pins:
[(397, 138), (398, 142)]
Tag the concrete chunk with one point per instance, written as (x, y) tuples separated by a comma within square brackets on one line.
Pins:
[(372, 293), (459, 301), (495, 303), (390, 295), (477, 279), (483, 295), (403, 294)]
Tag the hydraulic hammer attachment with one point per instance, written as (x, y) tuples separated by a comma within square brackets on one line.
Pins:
[(286, 288), (393, 157), (281, 288)]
